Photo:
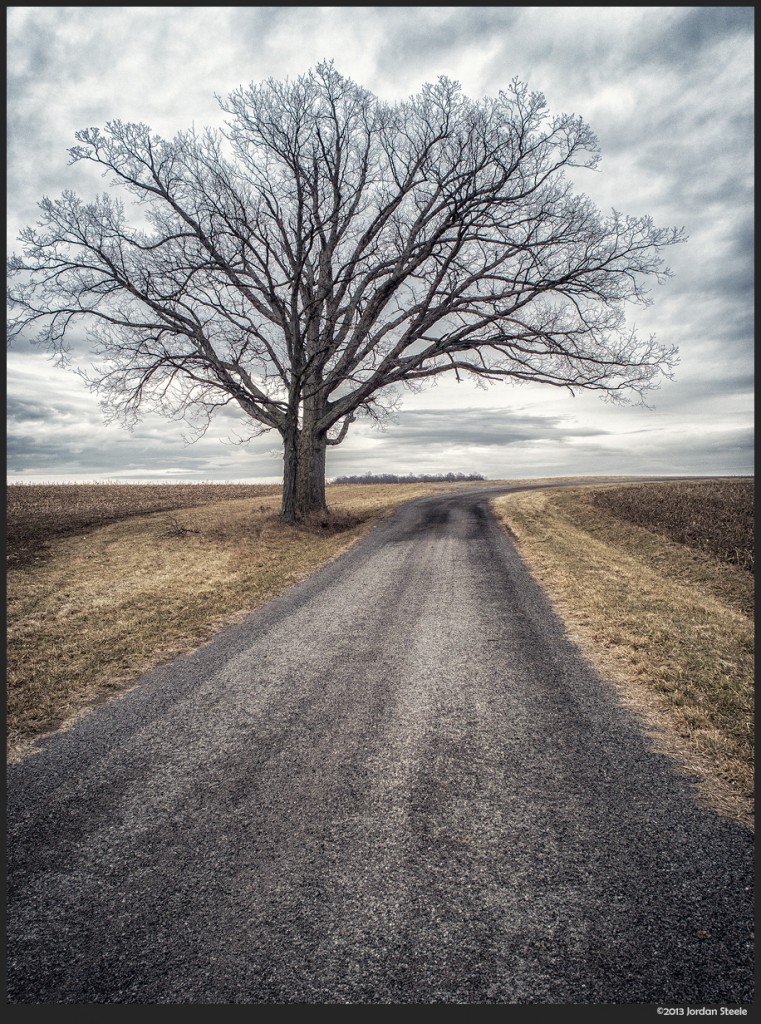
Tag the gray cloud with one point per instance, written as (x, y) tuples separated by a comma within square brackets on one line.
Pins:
[(483, 427), (434, 36), (692, 32), (107, 453)]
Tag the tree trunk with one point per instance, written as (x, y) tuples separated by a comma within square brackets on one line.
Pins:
[(290, 457), (310, 474), (290, 464), (303, 469)]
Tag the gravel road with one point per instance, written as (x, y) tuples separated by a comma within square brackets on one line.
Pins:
[(397, 783)]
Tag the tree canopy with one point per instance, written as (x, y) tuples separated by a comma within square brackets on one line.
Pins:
[(326, 248)]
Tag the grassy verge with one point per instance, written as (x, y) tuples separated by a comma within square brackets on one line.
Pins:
[(670, 626), (104, 606)]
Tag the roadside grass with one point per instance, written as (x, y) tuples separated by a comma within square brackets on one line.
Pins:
[(98, 609), (670, 626)]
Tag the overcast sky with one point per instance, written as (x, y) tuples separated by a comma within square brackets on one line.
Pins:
[(667, 90)]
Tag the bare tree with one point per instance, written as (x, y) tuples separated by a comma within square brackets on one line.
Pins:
[(327, 248)]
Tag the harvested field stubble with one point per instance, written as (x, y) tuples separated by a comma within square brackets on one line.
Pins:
[(714, 516), (38, 513)]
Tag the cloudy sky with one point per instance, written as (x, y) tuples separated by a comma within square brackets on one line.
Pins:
[(669, 93)]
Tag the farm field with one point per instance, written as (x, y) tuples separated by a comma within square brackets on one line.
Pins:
[(655, 583), (713, 516), (36, 514)]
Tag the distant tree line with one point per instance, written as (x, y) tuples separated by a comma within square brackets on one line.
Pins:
[(411, 478)]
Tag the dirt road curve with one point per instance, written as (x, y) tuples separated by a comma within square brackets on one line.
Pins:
[(398, 783)]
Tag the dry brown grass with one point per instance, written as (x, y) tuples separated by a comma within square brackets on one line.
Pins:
[(671, 626), (106, 604)]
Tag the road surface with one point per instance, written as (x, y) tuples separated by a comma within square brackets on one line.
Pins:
[(397, 783)]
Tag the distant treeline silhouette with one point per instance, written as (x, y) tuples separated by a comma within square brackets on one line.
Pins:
[(411, 478)]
